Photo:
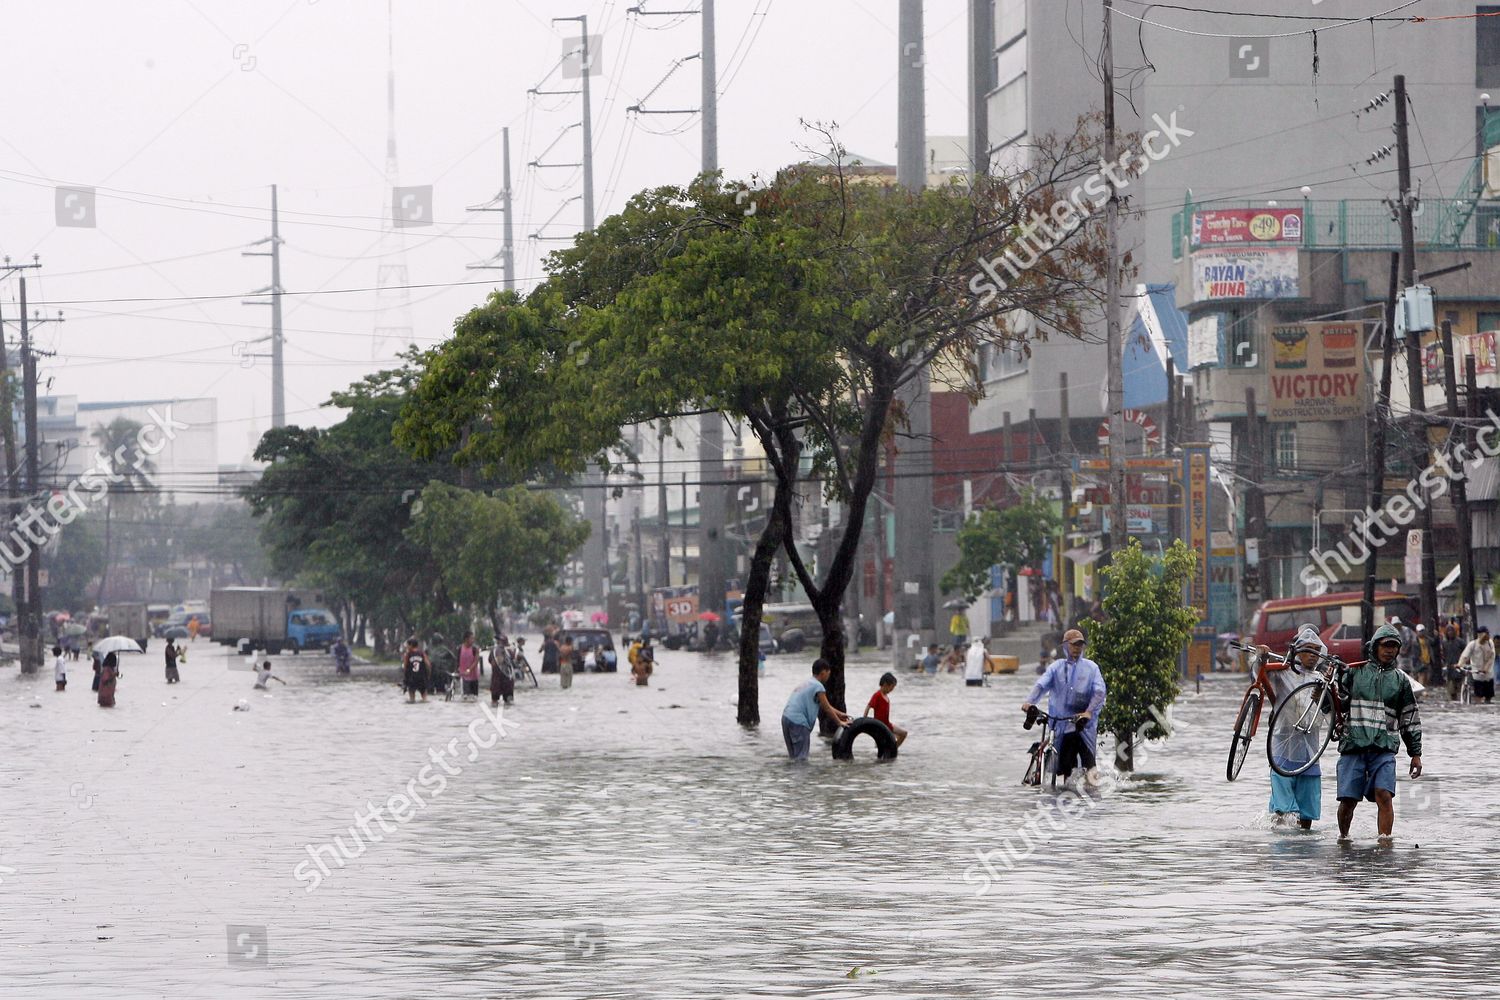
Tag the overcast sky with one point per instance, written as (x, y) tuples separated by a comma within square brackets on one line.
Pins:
[(181, 113)]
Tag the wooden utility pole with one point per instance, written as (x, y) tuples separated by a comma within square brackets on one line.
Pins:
[(31, 617), (1377, 443), (1460, 484), (1471, 411), (1421, 453)]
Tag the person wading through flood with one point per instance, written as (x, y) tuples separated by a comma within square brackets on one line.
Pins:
[(1075, 692), (109, 673), (171, 657), (1379, 704), (468, 667), (416, 670)]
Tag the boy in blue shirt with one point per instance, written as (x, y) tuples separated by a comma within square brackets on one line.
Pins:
[(801, 712)]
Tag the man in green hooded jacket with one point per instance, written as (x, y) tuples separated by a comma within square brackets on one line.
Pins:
[(1380, 705)]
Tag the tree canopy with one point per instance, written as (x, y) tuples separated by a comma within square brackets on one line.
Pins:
[(1016, 536)]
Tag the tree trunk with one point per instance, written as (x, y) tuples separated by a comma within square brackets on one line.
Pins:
[(757, 583), (1125, 752)]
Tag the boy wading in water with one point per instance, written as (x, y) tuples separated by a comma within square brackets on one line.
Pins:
[(1380, 703), (800, 716)]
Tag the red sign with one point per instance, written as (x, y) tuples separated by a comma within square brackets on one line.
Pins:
[(1141, 419), (1227, 226)]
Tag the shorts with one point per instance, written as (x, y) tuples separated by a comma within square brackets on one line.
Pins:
[(1071, 751), (1484, 688), (973, 682), (1362, 774), (415, 682), (472, 687), (798, 738), (1302, 795)]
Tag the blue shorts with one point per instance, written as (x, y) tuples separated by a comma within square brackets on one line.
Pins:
[(1362, 774), (798, 738), (1302, 795)]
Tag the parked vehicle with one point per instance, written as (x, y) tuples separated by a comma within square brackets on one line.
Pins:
[(128, 619), (795, 626), (597, 639), (157, 615), (272, 619), (1276, 622), (176, 626)]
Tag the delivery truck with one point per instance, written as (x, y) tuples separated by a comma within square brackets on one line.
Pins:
[(271, 618), (130, 620)]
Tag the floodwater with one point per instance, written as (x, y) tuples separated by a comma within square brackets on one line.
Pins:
[(627, 842)]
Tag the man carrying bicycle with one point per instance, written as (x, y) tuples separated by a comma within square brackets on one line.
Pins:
[(1380, 704), (1075, 691), (1302, 795)]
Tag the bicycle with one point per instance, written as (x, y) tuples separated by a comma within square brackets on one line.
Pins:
[(1304, 723), (1256, 695), (1465, 686), (1042, 756)]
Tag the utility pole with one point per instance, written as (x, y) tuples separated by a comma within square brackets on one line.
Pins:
[(585, 70), (31, 619), (1377, 443), (1119, 535), (981, 82), (661, 505), (13, 468), (1471, 411), (1460, 485), (278, 389), (1421, 453), (1255, 495), (507, 254), (911, 495), (712, 495)]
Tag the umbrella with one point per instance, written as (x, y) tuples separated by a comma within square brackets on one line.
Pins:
[(116, 644), (956, 604), (708, 616), (73, 628)]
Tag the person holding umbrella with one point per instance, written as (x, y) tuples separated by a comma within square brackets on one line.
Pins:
[(109, 667)]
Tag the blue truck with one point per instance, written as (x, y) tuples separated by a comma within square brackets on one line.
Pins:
[(271, 618)]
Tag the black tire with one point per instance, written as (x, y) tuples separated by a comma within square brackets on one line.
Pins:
[(1244, 732), (793, 640), (885, 740), (273, 648), (1302, 723)]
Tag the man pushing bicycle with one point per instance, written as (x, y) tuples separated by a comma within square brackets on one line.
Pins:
[(1380, 704), (1074, 687)]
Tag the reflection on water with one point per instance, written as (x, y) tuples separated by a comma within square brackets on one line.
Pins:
[(629, 842)]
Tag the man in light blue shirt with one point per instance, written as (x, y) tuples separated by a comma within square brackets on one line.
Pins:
[(1075, 692), (801, 712)]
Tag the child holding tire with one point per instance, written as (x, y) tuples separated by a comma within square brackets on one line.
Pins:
[(880, 704)]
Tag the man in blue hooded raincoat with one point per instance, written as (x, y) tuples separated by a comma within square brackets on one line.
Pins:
[(1074, 687)]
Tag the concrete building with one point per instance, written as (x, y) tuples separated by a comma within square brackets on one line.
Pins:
[(187, 466)]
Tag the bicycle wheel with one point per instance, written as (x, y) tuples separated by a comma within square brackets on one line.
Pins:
[(1466, 690), (1033, 769), (1244, 732), (1300, 729)]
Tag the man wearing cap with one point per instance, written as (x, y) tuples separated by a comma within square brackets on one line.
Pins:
[(1380, 704), (1075, 691)]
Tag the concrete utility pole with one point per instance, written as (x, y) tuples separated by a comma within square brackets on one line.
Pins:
[(1421, 453), (1119, 535), (1460, 483), (1377, 441), (912, 491), (981, 82), (507, 255), (278, 390), (13, 467), (31, 618), (712, 498)]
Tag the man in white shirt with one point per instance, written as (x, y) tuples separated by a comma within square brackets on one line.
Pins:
[(974, 664)]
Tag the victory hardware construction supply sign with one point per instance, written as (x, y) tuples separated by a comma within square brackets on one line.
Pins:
[(1316, 372)]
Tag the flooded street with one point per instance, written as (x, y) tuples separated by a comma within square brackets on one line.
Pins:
[(626, 842)]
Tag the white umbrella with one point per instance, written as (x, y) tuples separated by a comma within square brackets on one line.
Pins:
[(116, 644)]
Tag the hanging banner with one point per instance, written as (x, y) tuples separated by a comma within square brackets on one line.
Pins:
[(1315, 372), (1245, 274), (1482, 346), (1203, 341), (1217, 227)]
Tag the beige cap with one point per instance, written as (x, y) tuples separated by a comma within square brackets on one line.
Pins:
[(1071, 636)]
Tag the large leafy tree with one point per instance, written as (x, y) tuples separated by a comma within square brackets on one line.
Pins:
[(73, 559), (807, 320), (132, 477), (335, 505), (508, 547), (1016, 536), (1138, 644)]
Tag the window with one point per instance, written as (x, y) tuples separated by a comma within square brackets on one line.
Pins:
[(1007, 111), (1286, 448), (1487, 48), (1007, 361), (1489, 321), (1239, 341), (1010, 20)]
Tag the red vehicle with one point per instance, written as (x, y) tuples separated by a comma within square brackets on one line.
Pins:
[(1345, 642), (1276, 622)]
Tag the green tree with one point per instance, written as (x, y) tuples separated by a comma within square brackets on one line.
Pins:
[(1137, 646), (119, 444), (805, 320), (73, 559), (1016, 536), (508, 547)]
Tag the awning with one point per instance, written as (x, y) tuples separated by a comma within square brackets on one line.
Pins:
[(1081, 556), (1449, 579)]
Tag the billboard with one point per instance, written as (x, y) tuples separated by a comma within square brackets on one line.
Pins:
[(1316, 372), (1245, 274), (1231, 226)]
